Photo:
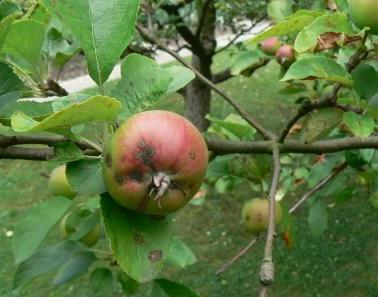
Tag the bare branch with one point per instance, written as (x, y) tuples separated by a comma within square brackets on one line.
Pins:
[(202, 17), (267, 266), (319, 186), (292, 146), (252, 121), (237, 257)]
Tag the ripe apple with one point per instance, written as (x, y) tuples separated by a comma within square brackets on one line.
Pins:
[(255, 215), (70, 222), (155, 162), (364, 13), (58, 183), (270, 45), (285, 55)]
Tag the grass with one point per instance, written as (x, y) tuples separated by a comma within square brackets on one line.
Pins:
[(343, 262)]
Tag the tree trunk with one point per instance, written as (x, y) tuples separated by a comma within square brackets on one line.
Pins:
[(198, 94)]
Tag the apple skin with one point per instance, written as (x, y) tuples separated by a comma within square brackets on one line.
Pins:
[(58, 183), (152, 146), (285, 55), (364, 13), (255, 215), (270, 45), (90, 239)]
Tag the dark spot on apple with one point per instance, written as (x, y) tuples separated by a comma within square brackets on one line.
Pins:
[(155, 255), (136, 175), (145, 153), (119, 178), (108, 160), (192, 154), (138, 239)]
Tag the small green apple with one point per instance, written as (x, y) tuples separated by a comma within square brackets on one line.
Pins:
[(58, 183)]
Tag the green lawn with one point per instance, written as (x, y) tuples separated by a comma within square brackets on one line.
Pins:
[(341, 263)]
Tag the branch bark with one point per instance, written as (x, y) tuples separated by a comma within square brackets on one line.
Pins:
[(251, 120), (267, 266)]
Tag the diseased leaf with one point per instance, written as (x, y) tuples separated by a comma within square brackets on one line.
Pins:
[(308, 38), (360, 125), (103, 28), (139, 243), (33, 228), (318, 67)]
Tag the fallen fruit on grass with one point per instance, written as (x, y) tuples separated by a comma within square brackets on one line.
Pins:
[(255, 214), (58, 183), (155, 162), (70, 224)]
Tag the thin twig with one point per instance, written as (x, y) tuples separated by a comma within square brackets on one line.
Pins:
[(252, 121), (267, 266), (319, 186), (237, 256)]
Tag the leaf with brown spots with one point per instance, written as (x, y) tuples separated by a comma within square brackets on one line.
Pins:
[(139, 243)]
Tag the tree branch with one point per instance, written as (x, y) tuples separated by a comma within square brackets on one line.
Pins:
[(319, 186), (329, 99), (237, 257), (292, 146), (202, 18), (252, 121), (267, 266)]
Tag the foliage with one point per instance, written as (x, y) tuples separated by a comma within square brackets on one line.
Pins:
[(329, 51)]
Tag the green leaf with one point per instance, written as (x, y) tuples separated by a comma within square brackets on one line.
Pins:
[(245, 60), (360, 125), (103, 28), (24, 43), (67, 152), (318, 218), (8, 8), (180, 254), (33, 228), (345, 194), (181, 76), (11, 86), (167, 288), (143, 83), (129, 285), (279, 9), (85, 176), (46, 260), (285, 27), (320, 123), (308, 38), (232, 127), (34, 109), (5, 25), (365, 80), (77, 264), (139, 243), (96, 108), (318, 67), (101, 282)]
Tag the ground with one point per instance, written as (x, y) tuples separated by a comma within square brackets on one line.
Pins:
[(343, 262)]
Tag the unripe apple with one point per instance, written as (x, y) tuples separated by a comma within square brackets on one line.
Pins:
[(374, 200), (255, 215), (270, 45), (285, 55), (58, 183), (155, 162), (364, 13), (70, 222)]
